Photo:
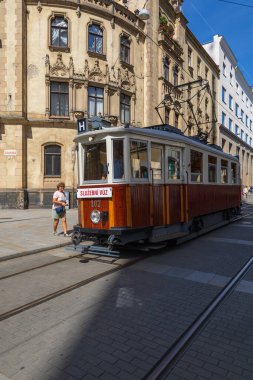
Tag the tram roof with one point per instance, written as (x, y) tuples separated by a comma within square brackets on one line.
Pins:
[(158, 132)]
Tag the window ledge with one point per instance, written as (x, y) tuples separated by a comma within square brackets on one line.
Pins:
[(47, 176), (54, 117), (96, 55), (127, 65), (64, 49)]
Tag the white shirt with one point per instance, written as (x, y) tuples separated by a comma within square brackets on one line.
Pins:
[(60, 196)]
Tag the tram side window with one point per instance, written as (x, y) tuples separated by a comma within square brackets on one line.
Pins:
[(156, 161), (139, 159), (224, 171), (233, 172), (196, 166), (212, 169), (173, 155), (95, 167), (118, 159)]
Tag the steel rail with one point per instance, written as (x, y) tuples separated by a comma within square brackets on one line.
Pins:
[(79, 255), (65, 290), (162, 367), (39, 267)]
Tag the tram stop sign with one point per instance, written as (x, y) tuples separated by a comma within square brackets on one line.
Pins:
[(82, 125)]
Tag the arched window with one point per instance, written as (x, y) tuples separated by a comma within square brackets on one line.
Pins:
[(125, 49), (59, 32), (166, 68), (52, 160), (95, 40)]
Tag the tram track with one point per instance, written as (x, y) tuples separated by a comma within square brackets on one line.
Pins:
[(163, 367), (67, 289), (78, 256), (79, 284)]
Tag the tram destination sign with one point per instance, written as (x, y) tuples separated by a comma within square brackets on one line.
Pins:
[(94, 192)]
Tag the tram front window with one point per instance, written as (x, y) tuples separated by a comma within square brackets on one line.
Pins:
[(95, 167), (118, 159)]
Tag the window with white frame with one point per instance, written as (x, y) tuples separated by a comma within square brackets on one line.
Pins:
[(223, 94), (196, 166), (173, 160), (156, 162), (236, 109), (242, 116), (139, 159), (224, 69), (233, 172), (212, 169), (224, 171), (223, 118), (230, 102), (230, 124), (237, 130)]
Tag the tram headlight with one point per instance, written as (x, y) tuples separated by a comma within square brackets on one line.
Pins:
[(95, 216)]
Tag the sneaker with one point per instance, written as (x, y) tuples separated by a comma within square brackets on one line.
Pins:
[(66, 235), (55, 233)]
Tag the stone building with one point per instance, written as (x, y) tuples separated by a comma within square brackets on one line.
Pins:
[(60, 60), (235, 107)]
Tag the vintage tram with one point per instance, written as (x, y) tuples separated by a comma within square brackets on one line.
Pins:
[(151, 185)]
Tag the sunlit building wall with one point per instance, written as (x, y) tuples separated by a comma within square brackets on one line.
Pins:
[(235, 107)]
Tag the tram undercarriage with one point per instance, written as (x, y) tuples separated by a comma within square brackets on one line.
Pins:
[(109, 240)]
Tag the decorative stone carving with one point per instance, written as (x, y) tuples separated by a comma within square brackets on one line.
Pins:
[(78, 12), (127, 82), (71, 67), (86, 69), (96, 73), (39, 7), (59, 68), (177, 5)]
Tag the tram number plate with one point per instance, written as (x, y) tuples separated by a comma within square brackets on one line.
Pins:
[(95, 192)]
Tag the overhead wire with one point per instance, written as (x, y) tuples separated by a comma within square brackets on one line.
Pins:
[(213, 99), (235, 3)]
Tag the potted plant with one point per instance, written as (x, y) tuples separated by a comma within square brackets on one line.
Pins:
[(165, 28)]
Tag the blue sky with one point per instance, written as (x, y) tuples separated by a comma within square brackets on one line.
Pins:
[(234, 22)]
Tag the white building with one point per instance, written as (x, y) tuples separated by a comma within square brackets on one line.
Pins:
[(235, 107)]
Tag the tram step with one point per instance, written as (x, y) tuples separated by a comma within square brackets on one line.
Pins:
[(102, 251)]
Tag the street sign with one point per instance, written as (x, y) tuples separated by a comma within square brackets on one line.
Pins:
[(82, 125), (10, 152)]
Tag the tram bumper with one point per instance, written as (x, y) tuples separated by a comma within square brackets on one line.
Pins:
[(114, 236)]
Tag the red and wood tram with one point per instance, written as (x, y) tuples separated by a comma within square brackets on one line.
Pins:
[(151, 185)]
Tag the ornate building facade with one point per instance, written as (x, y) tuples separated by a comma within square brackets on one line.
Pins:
[(62, 60)]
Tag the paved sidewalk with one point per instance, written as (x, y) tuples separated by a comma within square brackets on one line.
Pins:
[(29, 231)]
